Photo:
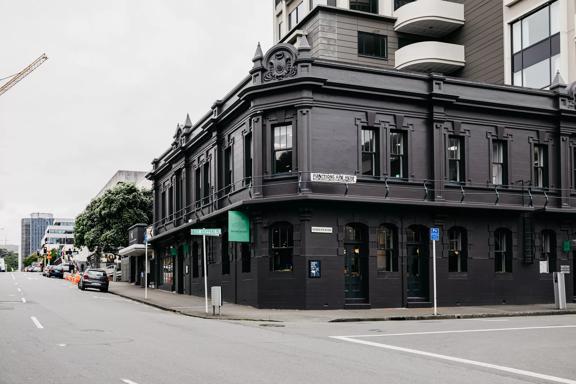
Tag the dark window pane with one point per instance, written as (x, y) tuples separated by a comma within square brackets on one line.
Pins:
[(374, 45), (364, 5), (399, 3), (282, 149)]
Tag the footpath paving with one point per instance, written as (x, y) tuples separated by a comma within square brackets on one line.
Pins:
[(194, 306)]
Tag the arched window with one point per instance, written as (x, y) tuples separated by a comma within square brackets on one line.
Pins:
[(281, 247), (549, 249), (356, 232), (503, 250), (457, 250), (387, 252)]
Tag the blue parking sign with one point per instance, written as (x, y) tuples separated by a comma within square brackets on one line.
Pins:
[(435, 234)]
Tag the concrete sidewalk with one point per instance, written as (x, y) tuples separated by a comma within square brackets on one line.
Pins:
[(194, 306)]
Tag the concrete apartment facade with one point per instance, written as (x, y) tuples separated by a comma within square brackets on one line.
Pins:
[(343, 151)]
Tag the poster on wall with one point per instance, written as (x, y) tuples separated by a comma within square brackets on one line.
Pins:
[(314, 269)]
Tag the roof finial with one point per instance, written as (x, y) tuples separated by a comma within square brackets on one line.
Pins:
[(188, 123), (258, 54)]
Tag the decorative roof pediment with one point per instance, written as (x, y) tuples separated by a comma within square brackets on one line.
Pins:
[(279, 62)]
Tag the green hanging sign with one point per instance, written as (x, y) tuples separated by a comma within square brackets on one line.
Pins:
[(173, 251), (238, 227), (567, 246)]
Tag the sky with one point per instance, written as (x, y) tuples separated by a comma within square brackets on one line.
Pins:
[(120, 75)]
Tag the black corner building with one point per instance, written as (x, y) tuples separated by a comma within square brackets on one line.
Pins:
[(343, 169)]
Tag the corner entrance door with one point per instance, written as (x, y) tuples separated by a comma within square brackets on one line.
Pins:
[(417, 262), (356, 264)]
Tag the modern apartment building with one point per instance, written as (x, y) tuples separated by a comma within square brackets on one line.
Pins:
[(366, 125), (138, 178)]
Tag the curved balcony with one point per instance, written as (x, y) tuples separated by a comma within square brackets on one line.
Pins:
[(431, 56), (431, 18)]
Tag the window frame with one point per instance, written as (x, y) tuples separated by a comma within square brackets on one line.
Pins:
[(372, 6), (503, 258), (459, 254), (248, 156), (503, 163), (540, 166), (403, 157), (228, 178), (289, 149), (381, 43), (548, 249), (387, 259), (460, 162), (279, 252), (374, 153)]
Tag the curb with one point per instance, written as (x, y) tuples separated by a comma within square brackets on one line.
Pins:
[(198, 316), (457, 316), (360, 319)]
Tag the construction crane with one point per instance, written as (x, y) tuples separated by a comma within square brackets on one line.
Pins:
[(23, 73)]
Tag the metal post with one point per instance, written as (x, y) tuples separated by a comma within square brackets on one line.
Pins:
[(434, 275), (205, 272), (146, 269)]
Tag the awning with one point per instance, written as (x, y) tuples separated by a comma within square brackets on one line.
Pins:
[(133, 250)]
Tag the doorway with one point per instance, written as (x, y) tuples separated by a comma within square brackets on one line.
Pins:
[(180, 270), (417, 263), (356, 264)]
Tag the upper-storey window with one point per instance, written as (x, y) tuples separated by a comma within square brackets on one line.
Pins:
[(536, 47), (399, 3), (369, 152), (540, 166), (228, 169), (248, 158), (364, 5), (296, 15), (282, 160), (398, 154), (499, 162), (455, 159), (374, 45)]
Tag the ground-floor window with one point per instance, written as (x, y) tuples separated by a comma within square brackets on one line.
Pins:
[(387, 252), (281, 247), (195, 259), (503, 250), (167, 269), (457, 250)]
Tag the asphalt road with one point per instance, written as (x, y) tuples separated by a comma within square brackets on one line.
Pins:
[(50, 332)]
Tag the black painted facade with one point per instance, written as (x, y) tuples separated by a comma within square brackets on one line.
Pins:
[(511, 205)]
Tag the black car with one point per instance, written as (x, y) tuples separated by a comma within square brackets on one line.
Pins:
[(56, 271), (94, 278)]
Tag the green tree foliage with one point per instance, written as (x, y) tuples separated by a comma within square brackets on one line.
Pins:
[(30, 259), (10, 258), (103, 226)]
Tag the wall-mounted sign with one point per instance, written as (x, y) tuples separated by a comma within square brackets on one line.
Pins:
[(566, 246), (543, 266), (206, 232), (314, 269), (321, 229), (564, 269), (333, 178), (238, 227)]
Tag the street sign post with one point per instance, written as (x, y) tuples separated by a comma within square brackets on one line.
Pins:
[(434, 236), (147, 236), (205, 232)]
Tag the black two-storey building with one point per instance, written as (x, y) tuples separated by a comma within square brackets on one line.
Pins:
[(343, 169)]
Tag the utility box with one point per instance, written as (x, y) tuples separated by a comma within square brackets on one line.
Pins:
[(216, 295), (559, 290)]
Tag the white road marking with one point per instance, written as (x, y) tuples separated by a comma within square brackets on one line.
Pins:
[(463, 331), (24, 300), (61, 345), (36, 322), (129, 381), (13, 277), (459, 360), (19, 290)]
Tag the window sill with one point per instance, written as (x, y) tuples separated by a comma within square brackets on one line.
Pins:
[(385, 58), (384, 275), (504, 276)]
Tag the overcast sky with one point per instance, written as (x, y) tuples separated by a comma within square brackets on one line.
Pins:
[(120, 75)]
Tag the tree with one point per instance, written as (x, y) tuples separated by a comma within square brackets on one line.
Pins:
[(10, 258), (30, 259), (103, 226)]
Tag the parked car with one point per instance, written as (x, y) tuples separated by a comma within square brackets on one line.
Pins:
[(37, 269), (45, 271), (56, 271), (94, 278)]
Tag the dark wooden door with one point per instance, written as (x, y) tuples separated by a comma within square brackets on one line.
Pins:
[(417, 270), (355, 273)]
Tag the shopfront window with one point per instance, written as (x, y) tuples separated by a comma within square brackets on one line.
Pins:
[(387, 251), (282, 247)]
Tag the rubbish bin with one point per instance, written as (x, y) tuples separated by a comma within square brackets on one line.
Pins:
[(559, 290)]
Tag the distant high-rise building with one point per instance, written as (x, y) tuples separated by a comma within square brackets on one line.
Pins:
[(33, 229), (25, 237), (138, 178)]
